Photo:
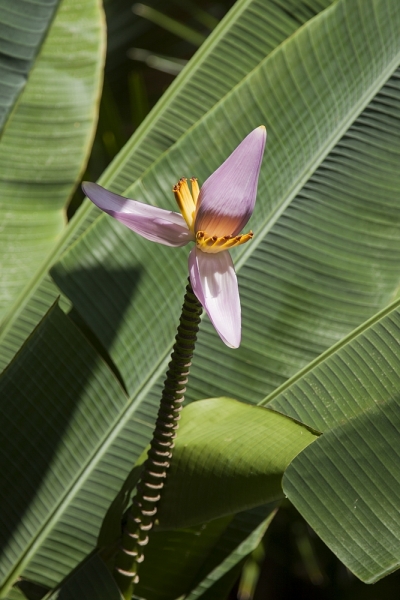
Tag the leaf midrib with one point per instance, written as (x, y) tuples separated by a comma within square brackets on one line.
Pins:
[(330, 351)]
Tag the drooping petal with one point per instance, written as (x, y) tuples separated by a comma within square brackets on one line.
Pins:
[(155, 224), (227, 197), (214, 282)]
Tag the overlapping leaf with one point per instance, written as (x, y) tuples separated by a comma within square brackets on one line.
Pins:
[(46, 143), (272, 21), (347, 485), (193, 559), (49, 446), (219, 65), (228, 456), (23, 28), (300, 291)]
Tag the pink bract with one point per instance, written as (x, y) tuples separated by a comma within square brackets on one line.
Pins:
[(225, 204)]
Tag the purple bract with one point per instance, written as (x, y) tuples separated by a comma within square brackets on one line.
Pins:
[(212, 217)]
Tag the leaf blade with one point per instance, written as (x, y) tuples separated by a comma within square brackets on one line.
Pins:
[(24, 28), (228, 457), (45, 146)]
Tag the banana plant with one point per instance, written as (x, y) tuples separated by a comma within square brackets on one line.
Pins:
[(305, 407)]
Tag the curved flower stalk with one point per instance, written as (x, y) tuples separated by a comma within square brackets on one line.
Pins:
[(142, 513), (213, 218)]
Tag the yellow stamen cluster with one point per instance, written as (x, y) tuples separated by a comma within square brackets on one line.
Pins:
[(218, 244), (187, 200)]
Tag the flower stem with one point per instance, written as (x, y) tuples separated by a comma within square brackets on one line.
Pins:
[(142, 513)]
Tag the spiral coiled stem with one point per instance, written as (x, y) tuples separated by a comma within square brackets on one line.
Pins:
[(142, 513)]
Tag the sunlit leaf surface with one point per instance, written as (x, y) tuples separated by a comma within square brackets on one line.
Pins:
[(218, 66), (23, 28), (347, 485), (325, 254), (45, 146)]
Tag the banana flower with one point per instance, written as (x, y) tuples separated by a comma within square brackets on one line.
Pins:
[(213, 218)]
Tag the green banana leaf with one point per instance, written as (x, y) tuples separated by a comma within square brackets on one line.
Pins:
[(53, 445), (23, 28), (329, 259), (57, 446), (326, 201), (241, 452), (45, 145), (329, 96), (217, 67), (192, 560), (228, 456), (92, 581), (273, 22), (222, 567), (347, 485)]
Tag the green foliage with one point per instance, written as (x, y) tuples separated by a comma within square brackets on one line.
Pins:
[(44, 149), (348, 485), (23, 28), (323, 77), (228, 456), (195, 559), (54, 446), (91, 580)]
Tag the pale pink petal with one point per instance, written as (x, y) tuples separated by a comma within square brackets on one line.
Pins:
[(227, 197), (155, 224), (214, 282)]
